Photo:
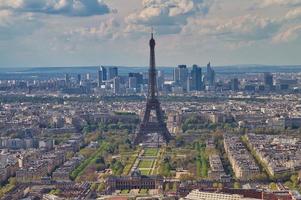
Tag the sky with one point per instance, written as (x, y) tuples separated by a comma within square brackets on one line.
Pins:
[(45, 33)]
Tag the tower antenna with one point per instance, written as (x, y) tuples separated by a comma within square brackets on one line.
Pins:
[(152, 32)]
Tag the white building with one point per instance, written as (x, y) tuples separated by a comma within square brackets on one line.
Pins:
[(198, 195)]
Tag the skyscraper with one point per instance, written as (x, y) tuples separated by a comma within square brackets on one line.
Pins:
[(196, 78), (112, 73), (79, 79), (268, 80), (138, 76), (102, 75), (176, 75), (181, 76), (99, 78), (116, 85), (234, 84), (133, 83), (160, 80), (67, 80), (210, 75), (88, 77)]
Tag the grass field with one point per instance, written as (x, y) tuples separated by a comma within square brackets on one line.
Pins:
[(145, 172), (146, 164), (143, 191), (125, 191), (129, 164), (150, 152), (90, 160)]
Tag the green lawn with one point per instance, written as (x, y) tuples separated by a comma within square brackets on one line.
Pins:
[(143, 191), (129, 164), (145, 172), (150, 152), (125, 191), (201, 162), (146, 164), (90, 160)]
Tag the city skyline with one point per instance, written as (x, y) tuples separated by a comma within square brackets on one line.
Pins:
[(183, 132), (80, 33)]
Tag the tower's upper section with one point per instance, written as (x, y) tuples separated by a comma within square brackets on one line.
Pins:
[(152, 70), (152, 41)]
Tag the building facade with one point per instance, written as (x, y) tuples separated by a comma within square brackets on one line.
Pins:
[(135, 181)]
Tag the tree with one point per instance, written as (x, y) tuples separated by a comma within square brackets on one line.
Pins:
[(166, 186), (102, 126), (288, 184), (179, 141), (100, 160), (101, 187), (8, 187), (165, 167), (117, 167), (87, 129), (186, 177), (55, 192), (237, 185), (294, 180), (93, 186), (273, 186), (174, 187)]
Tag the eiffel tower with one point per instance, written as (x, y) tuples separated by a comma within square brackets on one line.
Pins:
[(151, 127)]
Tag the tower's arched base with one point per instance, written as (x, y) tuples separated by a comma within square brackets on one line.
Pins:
[(147, 127)]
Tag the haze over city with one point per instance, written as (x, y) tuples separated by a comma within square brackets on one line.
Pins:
[(45, 33)]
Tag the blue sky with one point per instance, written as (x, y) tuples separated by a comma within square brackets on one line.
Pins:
[(37, 33)]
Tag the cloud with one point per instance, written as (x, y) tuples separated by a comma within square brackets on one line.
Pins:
[(108, 29), (13, 25), (5, 16), (244, 28), (293, 14), (287, 35), (265, 3), (57, 7), (166, 16), (140, 29)]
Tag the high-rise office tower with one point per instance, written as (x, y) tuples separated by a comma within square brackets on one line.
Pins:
[(160, 80), (268, 80), (104, 74), (139, 80), (101, 76), (176, 75), (181, 76), (132, 82), (79, 79), (116, 85), (234, 84), (210, 75), (88, 77), (67, 80), (138, 76), (112, 73), (196, 78)]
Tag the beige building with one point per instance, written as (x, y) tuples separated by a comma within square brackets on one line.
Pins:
[(198, 195), (242, 162)]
